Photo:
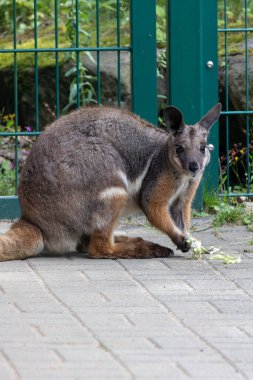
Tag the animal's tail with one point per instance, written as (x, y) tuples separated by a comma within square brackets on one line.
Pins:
[(23, 240)]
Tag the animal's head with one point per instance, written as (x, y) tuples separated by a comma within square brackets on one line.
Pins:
[(189, 151)]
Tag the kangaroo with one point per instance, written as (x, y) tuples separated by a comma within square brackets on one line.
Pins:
[(90, 167)]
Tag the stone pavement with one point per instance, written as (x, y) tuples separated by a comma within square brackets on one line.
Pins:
[(175, 318)]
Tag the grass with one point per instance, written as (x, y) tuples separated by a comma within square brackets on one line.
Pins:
[(210, 200), (27, 59), (227, 211), (228, 214), (236, 44)]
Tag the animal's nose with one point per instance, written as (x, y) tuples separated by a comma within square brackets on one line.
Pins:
[(193, 166)]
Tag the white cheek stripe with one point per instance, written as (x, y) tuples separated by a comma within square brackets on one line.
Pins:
[(112, 192)]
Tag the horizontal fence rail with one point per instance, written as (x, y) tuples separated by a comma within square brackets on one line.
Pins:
[(75, 49)]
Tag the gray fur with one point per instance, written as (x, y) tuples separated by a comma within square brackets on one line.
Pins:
[(81, 154)]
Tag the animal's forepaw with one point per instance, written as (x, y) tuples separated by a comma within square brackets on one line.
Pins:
[(184, 245)]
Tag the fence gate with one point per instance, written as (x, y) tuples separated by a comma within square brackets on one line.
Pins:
[(142, 49), (193, 69)]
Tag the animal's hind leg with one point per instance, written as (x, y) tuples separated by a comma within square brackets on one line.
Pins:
[(102, 246), (144, 248), (126, 239), (83, 244), (23, 240)]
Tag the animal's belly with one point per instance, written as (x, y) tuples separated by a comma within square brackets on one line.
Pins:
[(131, 209)]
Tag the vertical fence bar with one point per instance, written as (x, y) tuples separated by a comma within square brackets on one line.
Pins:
[(118, 53), (247, 96), (226, 95), (15, 92), (209, 42), (57, 90), (9, 205), (193, 87), (36, 68), (77, 58), (98, 52), (143, 59)]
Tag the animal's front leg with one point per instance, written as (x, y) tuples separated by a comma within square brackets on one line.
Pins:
[(187, 202), (155, 201), (159, 217), (180, 210), (177, 212)]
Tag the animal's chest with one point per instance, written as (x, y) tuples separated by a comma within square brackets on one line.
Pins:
[(181, 190), (132, 207)]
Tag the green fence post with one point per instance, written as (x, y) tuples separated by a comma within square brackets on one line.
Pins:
[(9, 207), (143, 61), (193, 86)]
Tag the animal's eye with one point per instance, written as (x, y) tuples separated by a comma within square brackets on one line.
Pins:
[(202, 148), (179, 149)]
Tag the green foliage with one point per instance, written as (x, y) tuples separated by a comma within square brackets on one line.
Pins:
[(234, 17), (86, 13), (86, 90), (237, 167), (228, 213), (7, 123), (24, 12), (46, 31), (79, 72), (162, 56), (161, 25), (7, 178), (198, 214), (235, 12), (7, 172), (210, 200), (247, 220)]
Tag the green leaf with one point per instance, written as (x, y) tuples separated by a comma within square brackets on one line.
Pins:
[(73, 93), (247, 220), (88, 53), (70, 71)]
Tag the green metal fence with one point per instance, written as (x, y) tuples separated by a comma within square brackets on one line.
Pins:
[(143, 66), (192, 82), (236, 163)]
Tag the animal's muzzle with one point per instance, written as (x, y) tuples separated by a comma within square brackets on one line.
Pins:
[(193, 167)]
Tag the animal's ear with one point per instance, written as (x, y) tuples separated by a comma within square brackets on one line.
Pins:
[(174, 120), (210, 118)]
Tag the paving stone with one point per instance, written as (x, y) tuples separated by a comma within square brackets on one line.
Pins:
[(68, 317)]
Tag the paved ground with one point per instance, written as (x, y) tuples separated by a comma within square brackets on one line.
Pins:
[(73, 318)]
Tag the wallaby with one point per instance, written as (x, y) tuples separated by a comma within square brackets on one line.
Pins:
[(90, 167)]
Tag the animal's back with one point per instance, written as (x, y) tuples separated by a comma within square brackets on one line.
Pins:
[(75, 159), (83, 145)]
